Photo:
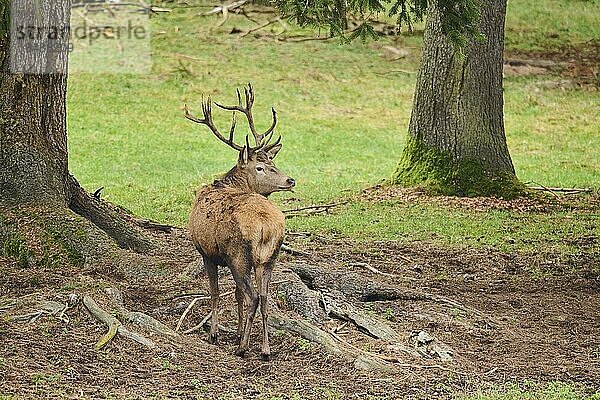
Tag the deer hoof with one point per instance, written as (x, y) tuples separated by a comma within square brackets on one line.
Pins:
[(212, 338), (265, 356), (240, 352)]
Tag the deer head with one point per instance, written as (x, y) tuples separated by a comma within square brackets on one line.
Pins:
[(255, 170)]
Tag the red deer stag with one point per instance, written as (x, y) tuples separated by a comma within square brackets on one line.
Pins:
[(233, 223)]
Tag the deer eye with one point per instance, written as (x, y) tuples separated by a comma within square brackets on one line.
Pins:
[(260, 168)]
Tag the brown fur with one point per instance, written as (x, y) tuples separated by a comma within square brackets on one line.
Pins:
[(232, 224)]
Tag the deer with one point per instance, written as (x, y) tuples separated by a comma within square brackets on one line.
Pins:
[(233, 223)]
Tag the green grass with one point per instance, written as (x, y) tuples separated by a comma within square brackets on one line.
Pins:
[(530, 391), (343, 113), (551, 24), (504, 230)]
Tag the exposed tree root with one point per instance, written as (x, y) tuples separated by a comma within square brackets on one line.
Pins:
[(44, 308), (301, 299), (316, 294), (355, 286), (108, 218), (338, 307), (147, 224), (114, 326), (139, 318)]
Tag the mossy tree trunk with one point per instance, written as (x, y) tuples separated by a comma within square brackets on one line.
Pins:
[(456, 141), (33, 128)]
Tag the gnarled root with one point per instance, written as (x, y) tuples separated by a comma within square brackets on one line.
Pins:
[(116, 327)]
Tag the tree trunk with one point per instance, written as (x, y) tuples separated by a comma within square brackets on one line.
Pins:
[(33, 141), (33, 127), (456, 141)]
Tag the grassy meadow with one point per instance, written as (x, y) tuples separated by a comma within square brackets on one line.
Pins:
[(343, 113)]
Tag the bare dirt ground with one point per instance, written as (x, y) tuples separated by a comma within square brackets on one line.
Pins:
[(576, 65), (536, 319)]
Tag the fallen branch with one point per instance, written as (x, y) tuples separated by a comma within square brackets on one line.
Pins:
[(226, 7), (534, 63), (261, 26), (294, 252), (316, 208), (561, 190), (397, 71)]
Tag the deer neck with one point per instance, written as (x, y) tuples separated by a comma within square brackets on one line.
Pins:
[(235, 178)]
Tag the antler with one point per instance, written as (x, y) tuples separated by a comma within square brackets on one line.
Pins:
[(261, 140), (247, 111), (208, 121)]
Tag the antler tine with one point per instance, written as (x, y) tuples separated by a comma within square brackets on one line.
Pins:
[(245, 107), (270, 146), (232, 130), (208, 121), (272, 128)]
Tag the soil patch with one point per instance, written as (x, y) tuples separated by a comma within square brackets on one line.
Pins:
[(544, 307), (576, 64)]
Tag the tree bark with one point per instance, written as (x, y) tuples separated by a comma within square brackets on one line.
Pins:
[(33, 141), (33, 124), (457, 143)]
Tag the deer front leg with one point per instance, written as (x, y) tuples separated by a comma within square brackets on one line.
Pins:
[(213, 279)]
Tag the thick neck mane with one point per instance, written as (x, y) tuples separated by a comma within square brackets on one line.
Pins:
[(234, 178)]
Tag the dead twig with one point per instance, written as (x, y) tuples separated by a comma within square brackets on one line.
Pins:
[(313, 207), (200, 325), (294, 252), (45, 308), (554, 190), (374, 270), (544, 188), (311, 210), (189, 307), (261, 26)]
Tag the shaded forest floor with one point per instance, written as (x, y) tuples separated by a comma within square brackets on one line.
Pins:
[(544, 306)]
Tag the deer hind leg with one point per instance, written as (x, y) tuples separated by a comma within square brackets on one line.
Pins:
[(263, 278), (239, 297), (251, 304), (213, 279)]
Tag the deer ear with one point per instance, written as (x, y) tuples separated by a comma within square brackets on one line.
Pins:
[(244, 156), (273, 151)]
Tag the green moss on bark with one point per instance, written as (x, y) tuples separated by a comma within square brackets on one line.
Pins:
[(440, 173), (33, 238)]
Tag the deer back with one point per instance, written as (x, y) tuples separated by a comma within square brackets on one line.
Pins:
[(227, 223)]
